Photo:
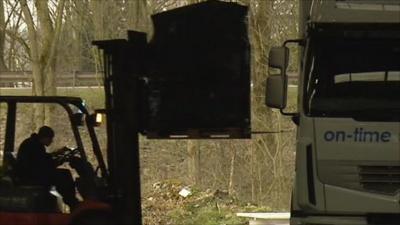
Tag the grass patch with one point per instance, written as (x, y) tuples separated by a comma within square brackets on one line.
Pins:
[(209, 215), (93, 96)]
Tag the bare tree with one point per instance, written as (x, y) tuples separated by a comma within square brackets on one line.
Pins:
[(138, 16), (2, 36), (231, 184), (194, 164), (43, 40)]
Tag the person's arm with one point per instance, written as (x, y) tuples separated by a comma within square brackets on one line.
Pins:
[(50, 162)]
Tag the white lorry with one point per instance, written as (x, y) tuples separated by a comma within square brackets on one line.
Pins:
[(348, 149)]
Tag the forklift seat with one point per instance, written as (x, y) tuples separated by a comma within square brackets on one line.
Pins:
[(27, 199), (21, 198), (10, 166)]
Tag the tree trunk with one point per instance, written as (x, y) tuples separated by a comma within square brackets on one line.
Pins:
[(43, 53), (97, 8), (194, 162), (2, 37), (231, 187), (263, 118), (252, 173), (138, 15)]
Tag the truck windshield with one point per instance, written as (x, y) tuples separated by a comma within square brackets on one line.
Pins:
[(353, 77)]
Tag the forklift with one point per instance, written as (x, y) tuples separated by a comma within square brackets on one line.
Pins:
[(22, 204), (191, 81)]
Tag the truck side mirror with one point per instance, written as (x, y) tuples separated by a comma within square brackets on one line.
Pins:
[(276, 94), (276, 87)]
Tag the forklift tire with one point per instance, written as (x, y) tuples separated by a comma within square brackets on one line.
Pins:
[(91, 212)]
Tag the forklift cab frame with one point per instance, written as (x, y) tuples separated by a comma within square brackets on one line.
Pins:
[(66, 103), (31, 215)]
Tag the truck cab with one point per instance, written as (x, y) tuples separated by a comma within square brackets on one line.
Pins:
[(348, 118)]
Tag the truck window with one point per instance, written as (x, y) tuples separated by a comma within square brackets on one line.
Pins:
[(368, 76), (354, 76)]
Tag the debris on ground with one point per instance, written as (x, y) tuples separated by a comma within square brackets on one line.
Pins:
[(174, 203)]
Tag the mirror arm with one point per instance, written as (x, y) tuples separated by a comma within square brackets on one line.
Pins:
[(288, 113), (295, 116), (301, 42), (296, 119)]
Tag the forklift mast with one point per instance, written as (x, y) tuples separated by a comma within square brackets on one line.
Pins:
[(121, 78), (192, 80)]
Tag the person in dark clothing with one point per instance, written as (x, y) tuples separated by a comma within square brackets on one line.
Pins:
[(37, 167)]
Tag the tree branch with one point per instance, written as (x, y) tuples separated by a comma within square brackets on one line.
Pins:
[(31, 30), (13, 9), (57, 31), (20, 40)]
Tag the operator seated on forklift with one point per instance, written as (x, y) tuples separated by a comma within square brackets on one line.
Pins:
[(36, 167)]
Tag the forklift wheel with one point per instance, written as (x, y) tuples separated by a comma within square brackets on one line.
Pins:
[(92, 212), (93, 217)]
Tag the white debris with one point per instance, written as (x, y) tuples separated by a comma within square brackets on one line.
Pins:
[(185, 192)]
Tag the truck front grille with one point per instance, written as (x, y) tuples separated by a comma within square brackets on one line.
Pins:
[(381, 179)]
